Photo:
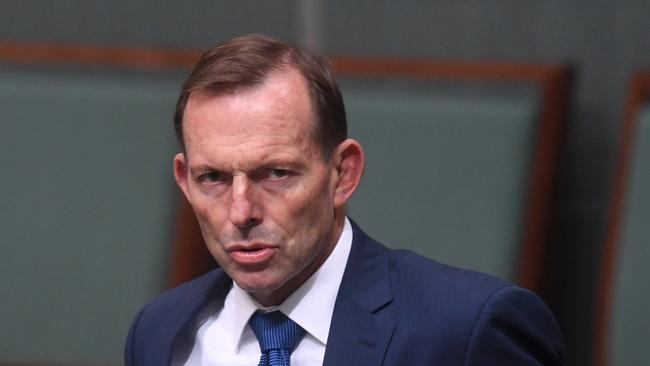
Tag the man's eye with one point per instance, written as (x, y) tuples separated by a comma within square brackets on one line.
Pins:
[(278, 173), (211, 177)]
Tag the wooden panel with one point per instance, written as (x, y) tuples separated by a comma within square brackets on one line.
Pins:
[(638, 95)]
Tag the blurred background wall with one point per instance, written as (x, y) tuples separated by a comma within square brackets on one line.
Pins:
[(604, 42)]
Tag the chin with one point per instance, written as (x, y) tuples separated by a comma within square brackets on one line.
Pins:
[(254, 285)]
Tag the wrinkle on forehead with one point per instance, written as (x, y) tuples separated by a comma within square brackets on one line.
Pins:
[(249, 154), (289, 97), (272, 118)]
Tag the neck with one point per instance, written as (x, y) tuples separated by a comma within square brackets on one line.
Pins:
[(278, 296)]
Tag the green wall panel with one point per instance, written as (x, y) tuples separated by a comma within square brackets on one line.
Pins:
[(88, 205), (446, 175), (630, 318)]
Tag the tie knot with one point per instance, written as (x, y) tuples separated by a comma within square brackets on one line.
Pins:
[(275, 330)]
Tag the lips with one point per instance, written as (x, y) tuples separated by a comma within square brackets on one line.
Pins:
[(251, 254)]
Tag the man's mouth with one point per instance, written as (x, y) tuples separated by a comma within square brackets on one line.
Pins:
[(251, 254)]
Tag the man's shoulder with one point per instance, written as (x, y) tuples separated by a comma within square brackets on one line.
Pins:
[(177, 305), (196, 290), (430, 283), (425, 272), (159, 322), (428, 288), (469, 311), (419, 275)]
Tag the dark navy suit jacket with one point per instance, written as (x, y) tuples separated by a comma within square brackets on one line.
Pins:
[(393, 308)]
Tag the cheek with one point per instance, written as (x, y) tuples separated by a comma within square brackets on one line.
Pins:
[(205, 203), (302, 209), (312, 213), (201, 210), (208, 215)]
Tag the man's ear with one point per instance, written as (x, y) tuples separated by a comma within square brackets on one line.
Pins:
[(181, 174), (349, 161)]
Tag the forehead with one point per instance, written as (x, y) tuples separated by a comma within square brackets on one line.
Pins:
[(278, 112)]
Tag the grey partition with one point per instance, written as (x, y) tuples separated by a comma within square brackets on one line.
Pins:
[(447, 173), (87, 207), (630, 320)]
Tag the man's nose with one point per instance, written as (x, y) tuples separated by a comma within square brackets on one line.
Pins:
[(244, 210)]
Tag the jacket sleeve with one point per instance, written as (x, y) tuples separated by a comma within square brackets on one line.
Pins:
[(515, 327)]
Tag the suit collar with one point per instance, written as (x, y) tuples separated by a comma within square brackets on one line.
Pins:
[(362, 323), (207, 288)]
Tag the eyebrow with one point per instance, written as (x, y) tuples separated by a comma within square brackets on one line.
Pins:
[(268, 164)]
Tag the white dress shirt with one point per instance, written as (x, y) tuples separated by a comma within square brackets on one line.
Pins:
[(225, 338)]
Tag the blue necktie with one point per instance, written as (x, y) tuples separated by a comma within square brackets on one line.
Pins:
[(278, 336)]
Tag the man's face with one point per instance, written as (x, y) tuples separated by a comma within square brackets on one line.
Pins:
[(259, 185)]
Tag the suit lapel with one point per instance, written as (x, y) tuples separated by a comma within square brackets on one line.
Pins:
[(362, 323), (182, 314)]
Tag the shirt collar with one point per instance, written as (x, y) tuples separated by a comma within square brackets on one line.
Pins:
[(311, 306)]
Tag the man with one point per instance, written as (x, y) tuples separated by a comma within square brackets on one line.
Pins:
[(268, 169)]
